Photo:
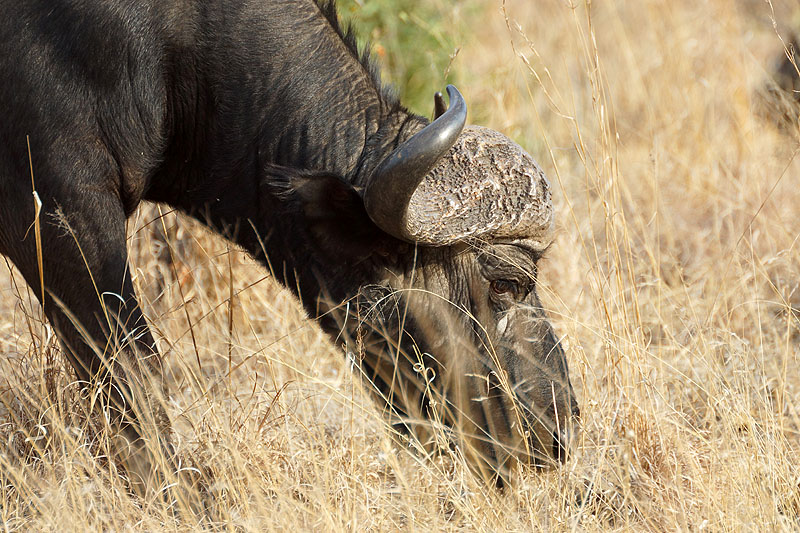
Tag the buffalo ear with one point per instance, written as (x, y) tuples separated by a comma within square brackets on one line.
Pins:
[(335, 217)]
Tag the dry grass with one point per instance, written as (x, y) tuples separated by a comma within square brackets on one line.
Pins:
[(675, 281)]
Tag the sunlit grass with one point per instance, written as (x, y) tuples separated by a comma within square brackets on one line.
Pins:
[(674, 281)]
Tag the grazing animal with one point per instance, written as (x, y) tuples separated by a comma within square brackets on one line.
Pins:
[(261, 119)]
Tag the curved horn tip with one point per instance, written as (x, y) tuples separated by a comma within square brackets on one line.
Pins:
[(438, 105), (453, 90), (457, 104)]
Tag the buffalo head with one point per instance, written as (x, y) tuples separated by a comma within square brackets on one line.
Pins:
[(452, 332)]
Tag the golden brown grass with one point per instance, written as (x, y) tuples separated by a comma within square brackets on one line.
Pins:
[(675, 281)]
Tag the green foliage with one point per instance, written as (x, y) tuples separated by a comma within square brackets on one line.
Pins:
[(414, 42)]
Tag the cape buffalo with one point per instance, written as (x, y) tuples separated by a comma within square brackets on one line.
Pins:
[(262, 120)]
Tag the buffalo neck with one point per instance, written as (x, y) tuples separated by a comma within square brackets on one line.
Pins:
[(289, 94), (292, 90)]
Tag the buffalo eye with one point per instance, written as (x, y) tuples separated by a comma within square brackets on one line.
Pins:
[(505, 287)]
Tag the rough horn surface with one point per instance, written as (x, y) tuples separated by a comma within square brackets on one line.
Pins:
[(486, 187)]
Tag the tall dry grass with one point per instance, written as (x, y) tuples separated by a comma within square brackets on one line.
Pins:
[(675, 282)]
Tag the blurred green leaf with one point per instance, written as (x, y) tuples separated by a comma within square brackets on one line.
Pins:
[(413, 41)]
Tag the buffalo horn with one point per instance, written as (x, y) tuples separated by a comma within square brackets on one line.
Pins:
[(438, 105), (393, 183)]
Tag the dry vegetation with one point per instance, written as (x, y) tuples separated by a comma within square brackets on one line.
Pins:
[(675, 281)]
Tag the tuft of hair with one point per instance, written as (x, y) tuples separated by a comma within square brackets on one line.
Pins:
[(347, 34)]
